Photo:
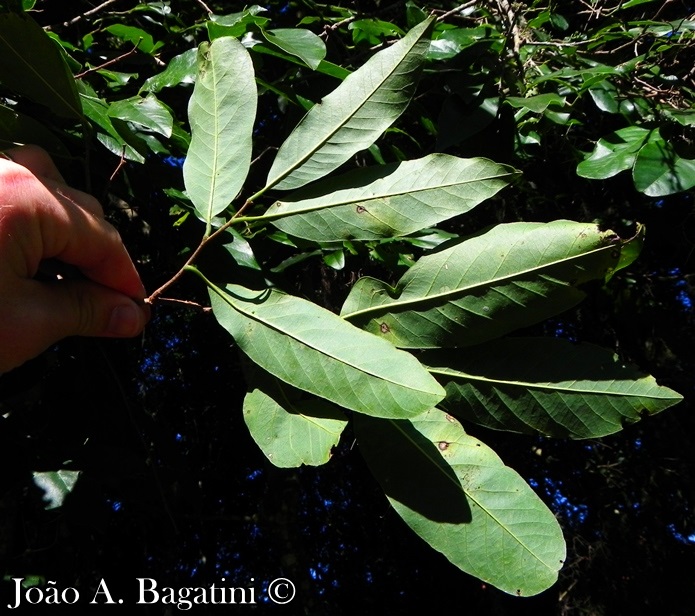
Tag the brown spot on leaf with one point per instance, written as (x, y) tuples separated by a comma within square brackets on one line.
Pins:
[(385, 329), (450, 418), (361, 210), (518, 592), (443, 445)]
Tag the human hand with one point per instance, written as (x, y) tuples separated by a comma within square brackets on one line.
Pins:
[(42, 218)]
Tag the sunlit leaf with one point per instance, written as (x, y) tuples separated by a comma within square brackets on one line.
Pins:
[(316, 351), (390, 200), (147, 112), (457, 494), (291, 427), (546, 386), (509, 277), (56, 486), (181, 69), (221, 111), (353, 116)]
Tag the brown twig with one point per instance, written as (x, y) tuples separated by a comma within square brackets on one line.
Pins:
[(203, 243), (185, 303), (89, 13), (458, 9), (108, 63), (205, 6)]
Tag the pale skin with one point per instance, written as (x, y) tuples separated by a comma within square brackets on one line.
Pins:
[(42, 218)]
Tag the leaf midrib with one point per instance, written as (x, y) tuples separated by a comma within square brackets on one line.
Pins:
[(398, 305), (466, 493), (287, 213), (301, 161), (294, 337), (539, 386), (30, 67)]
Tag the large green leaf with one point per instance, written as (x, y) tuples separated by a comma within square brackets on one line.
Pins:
[(317, 351), (510, 277), (457, 494), (291, 427), (660, 171), (390, 200), (614, 153), (32, 65), (221, 111), (147, 112), (354, 115), (547, 386)]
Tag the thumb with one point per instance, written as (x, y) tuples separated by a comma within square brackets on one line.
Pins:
[(52, 311)]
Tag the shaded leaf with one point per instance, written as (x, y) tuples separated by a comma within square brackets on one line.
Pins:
[(17, 128), (457, 494), (353, 116), (34, 66), (390, 200), (316, 351), (660, 171), (221, 111), (301, 43), (536, 104), (136, 36), (546, 386), (512, 276), (614, 153)]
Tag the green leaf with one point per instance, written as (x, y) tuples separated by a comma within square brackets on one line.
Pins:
[(17, 128), (147, 112), (291, 427), (536, 104), (221, 111), (181, 69), (34, 66), (316, 351), (301, 43), (546, 386), (353, 116), (97, 110), (56, 486), (390, 200), (614, 153), (137, 36), (240, 250), (513, 276), (660, 171), (456, 493)]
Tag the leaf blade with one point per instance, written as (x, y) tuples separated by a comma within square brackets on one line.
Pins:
[(221, 111), (512, 276), (353, 116), (316, 351), (506, 536), (546, 386), (390, 200)]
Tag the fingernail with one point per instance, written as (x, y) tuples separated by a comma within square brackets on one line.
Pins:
[(125, 321)]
